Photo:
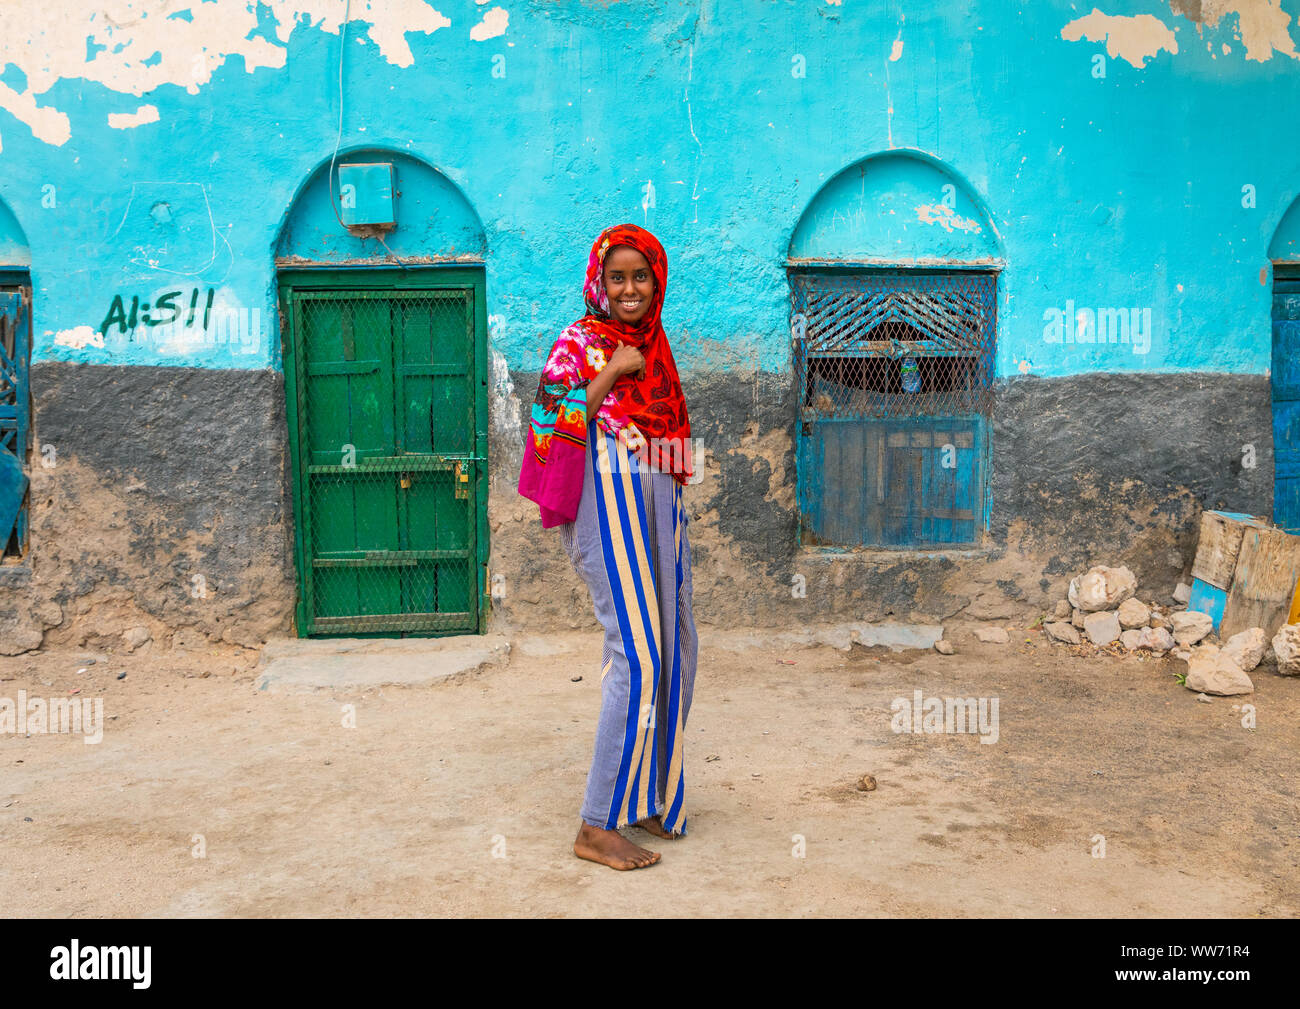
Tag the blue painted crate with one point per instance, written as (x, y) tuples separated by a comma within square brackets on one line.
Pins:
[(1206, 598)]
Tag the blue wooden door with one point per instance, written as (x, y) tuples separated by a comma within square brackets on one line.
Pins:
[(905, 482), (1286, 403), (14, 333)]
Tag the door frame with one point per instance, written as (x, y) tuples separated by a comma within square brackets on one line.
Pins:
[(370, 278), (1289, 273), (19, 282)]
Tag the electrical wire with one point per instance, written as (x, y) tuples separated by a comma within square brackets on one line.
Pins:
[(338, 141), (391, 252)]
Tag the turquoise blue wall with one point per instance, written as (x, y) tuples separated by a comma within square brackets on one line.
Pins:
[(1096, 183)]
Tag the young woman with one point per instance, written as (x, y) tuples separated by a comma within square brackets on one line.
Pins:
[(608, 452)]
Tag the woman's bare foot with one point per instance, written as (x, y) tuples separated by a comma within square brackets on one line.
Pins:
[(609, 847), (655, 825)]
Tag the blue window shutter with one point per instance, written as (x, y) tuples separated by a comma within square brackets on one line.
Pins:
[(894, 377)]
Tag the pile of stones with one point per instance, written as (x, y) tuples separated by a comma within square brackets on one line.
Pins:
[(1103, 609)]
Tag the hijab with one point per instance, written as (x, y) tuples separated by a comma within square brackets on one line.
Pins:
[(647, 413), (650, 409)]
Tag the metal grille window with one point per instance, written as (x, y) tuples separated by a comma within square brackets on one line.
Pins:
[(894, 373), (15, 303), (389, 445)]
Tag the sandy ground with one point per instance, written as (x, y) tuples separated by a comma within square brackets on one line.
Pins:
[(461, 799)]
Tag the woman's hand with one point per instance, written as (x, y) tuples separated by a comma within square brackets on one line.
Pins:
[(627, 360), (624, 361)]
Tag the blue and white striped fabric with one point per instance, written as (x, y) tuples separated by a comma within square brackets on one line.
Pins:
[(629, 544)]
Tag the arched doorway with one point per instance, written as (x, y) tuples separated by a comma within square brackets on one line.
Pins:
[(15, 416), (382, 294), (893, 273), (1284, 251)]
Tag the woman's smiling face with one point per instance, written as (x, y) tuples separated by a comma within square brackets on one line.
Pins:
[(629, 284)]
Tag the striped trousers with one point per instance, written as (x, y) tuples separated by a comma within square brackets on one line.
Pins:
[(629, 544)]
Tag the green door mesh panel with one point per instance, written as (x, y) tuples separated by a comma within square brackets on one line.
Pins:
[(388, 477)]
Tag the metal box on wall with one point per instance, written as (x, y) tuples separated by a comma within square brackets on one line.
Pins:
[(368, 195)]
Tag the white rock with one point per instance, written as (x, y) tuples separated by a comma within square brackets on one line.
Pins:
[(944, 647), (992, 635), (1181, 653), (1102, 628), (1202, 697), (1247, 648), (1102, 588), (1183, 593), (134, 637), (1210, 671), (1133, 613), (1286, 647), (1190, 626), (1060, 630), (1158, 639)]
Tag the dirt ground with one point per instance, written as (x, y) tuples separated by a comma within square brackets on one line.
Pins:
[(462, 798)]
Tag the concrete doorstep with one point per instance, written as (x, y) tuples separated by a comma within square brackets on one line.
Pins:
[(304, 665)]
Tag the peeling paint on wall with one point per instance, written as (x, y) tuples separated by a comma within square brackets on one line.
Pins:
[(49, 125), (78, 337), (943, 215), (128, 120), (494, 23), (1262, 25), (1135, 39), (504, 408), (134, 46)]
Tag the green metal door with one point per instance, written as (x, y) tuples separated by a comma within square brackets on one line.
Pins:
[(387, 421)]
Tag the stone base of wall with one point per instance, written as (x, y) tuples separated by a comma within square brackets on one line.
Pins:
[(166, 506)]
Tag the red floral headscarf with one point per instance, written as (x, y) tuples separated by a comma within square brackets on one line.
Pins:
[(653, 405), (647, 414)]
